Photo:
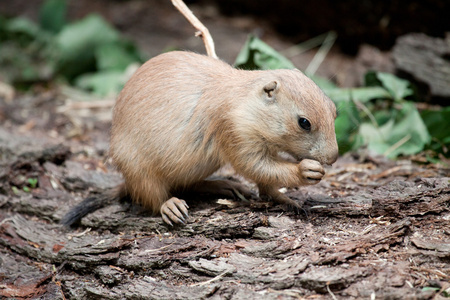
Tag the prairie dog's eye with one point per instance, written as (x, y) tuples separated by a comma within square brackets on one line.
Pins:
[(304, 123)]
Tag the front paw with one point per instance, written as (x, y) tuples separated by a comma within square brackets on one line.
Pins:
[(310, 171)]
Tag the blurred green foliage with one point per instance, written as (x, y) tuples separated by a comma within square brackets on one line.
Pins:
[(89, 53), (52, 15), (377, 115)]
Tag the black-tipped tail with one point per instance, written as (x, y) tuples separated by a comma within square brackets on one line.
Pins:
[(92, 204)]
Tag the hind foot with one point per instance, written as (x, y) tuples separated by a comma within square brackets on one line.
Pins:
[(226, 188), (274, 195), (174, 210)]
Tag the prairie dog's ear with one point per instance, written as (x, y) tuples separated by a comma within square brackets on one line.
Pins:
[(270, 91)]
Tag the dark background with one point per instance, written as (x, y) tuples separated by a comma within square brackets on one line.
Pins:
[(368, 21)]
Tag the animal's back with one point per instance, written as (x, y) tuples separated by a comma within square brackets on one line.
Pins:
[(159, 119)]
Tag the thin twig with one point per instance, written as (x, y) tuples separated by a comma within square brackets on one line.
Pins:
[(321, 53), (305, 46), (330, 292), (364, 108), (431, 271), (96, 104), (202, 30), (211, 280), (71, 236), (158, 249), (397, 145), (5, 220)]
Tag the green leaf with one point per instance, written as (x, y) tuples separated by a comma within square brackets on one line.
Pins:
[(22, 25), (370, 79), (88, 32), (438, 124), (398, 88), (374, 137), (430, 288), (52, 15), (115, 56), (363, 94), (79, 41), (22, 30), (32, 182), (105, 83), (409, 124), (403, 134), (257, 55), (444, 293), (346, 125)]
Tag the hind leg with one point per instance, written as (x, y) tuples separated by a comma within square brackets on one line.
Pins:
[(272, 193), (226, 188), (153, 194)]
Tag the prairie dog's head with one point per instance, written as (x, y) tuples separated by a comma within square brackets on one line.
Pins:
[(296, 116)]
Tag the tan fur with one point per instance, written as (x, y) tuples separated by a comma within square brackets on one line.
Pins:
[(182, 116)]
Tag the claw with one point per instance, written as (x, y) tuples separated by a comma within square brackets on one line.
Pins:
[(166, 220), (174, 210), (185, 213), (239, 195), (298, 209)]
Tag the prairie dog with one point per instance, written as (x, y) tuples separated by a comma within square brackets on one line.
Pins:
[(182, 116)]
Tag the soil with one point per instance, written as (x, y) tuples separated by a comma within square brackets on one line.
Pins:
[(372, 229)]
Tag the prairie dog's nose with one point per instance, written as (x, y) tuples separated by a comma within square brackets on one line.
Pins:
[(332, 153), (331, 159)]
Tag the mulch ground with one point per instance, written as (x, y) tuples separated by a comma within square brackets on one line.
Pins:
[(373, 228)]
